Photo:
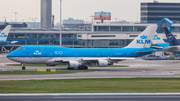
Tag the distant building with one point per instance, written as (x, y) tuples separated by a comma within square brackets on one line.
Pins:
[(76, 24), (154, 12), (46, 13)]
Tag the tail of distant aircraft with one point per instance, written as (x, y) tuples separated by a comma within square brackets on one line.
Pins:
[(4, 33), (157, 39), (170, 37), (144, 39)]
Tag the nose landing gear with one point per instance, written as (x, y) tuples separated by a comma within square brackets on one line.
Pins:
[(23, 67)]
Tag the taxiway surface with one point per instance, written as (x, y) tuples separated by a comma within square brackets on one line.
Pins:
[(92, 98), (137, 68)]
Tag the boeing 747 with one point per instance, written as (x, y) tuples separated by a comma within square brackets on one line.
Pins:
[(79, 58)]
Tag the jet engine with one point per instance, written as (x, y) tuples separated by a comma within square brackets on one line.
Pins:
[(102, 63), (73, 64)]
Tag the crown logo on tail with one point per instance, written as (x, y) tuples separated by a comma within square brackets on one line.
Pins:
[(143, 37)]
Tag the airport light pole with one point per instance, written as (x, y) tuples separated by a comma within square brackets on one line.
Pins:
[(116, 19), (60, 35), (15, 15), (91, 23)]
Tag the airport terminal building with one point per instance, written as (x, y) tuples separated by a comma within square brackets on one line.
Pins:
[(111, 35)]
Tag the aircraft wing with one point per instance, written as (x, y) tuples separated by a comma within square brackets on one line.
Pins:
[(92, 59), (119, 58), (149, 51)]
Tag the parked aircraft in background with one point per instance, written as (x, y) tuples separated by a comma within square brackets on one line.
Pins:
[(3, 36), (158, 42), (173, 42), (78, 58)]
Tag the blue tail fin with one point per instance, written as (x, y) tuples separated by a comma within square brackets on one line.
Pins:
[(170, 37)]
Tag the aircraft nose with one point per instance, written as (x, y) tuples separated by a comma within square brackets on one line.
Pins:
[(9, 55)]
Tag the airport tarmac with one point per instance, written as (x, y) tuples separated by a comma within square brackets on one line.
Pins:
[(137, 68), (92, 98)]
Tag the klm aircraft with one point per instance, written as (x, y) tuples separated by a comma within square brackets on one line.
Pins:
[(158, 42), (4, 35), (78, 58)]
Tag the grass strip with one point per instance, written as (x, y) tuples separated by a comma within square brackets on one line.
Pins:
[(27, 72), (105, 85), (43, 65)]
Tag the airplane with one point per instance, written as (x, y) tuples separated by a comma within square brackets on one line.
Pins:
[(158, 42), (173, 42), (4, 35), (79, 58)]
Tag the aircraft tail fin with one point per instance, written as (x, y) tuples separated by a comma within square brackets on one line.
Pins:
[(170, 37), (157, 39), (144, 39), (5, 32)]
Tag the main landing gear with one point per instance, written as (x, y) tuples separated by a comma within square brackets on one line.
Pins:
[(79, 68), (23, 67), (82, 68)]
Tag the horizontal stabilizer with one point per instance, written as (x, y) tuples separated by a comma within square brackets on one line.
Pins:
[(13, 42), (4, 42), (170, 48)]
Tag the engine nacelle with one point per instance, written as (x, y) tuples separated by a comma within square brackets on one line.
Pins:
[(73, 64), (102, 63)]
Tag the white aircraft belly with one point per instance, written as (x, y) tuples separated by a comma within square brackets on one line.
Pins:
[(60, 60)]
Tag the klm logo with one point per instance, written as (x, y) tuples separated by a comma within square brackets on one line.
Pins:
[(3, 35), (37, 53), (143, 40), (156, 37), (58, 52)]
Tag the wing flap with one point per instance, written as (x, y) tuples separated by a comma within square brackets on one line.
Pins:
[(119, 58), (148, 51)]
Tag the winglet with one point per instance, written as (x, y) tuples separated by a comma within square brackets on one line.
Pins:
[(170, 37), (144, 39), (4, 33)]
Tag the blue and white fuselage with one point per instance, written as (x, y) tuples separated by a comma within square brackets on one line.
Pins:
[(43, 54), (78, 58)]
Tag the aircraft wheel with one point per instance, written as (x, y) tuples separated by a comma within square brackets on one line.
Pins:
[(23, 68), (80, 67), (85, 67), (69, 68)]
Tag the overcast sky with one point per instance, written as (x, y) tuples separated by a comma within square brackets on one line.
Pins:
[(78, 9)]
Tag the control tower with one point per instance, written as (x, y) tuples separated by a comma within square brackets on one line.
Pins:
[(46, 13)]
